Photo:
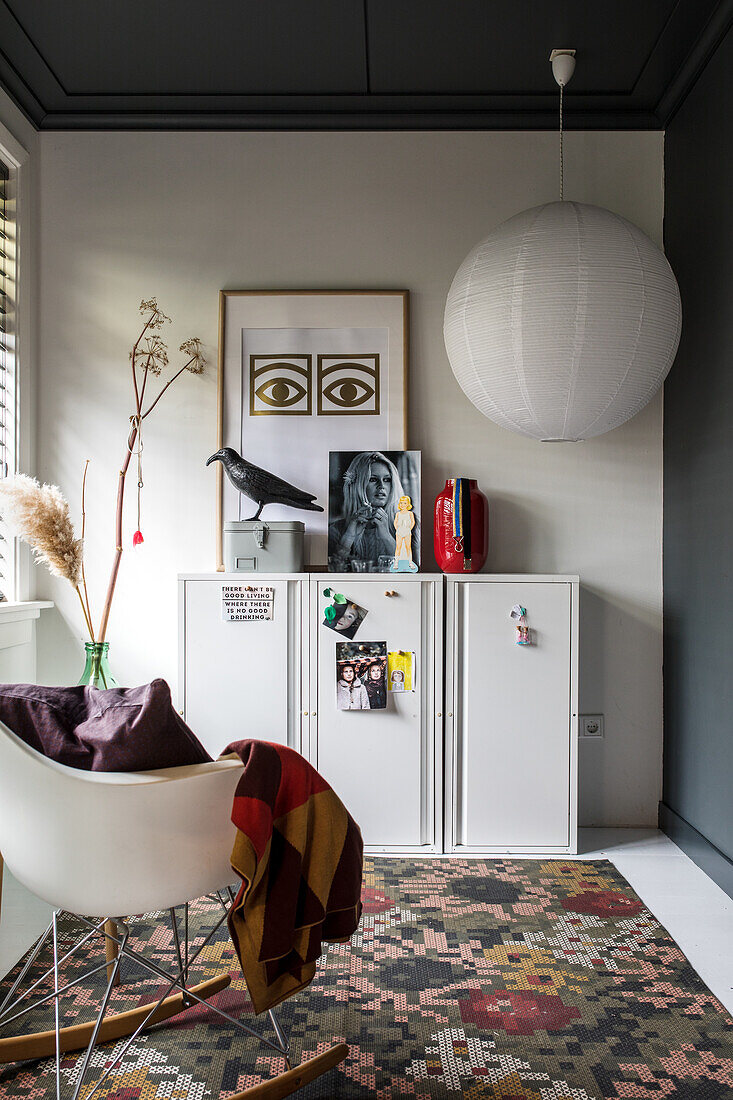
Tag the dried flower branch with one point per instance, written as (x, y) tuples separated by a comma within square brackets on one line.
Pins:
[(148, 357), (157, 318), (195, 364), (39, 514), (151, 355), (86, 608), (193, 348)]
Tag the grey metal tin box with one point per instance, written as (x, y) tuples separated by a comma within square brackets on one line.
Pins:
[(255, 546)]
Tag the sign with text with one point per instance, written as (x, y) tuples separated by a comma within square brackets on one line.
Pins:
[(247, 603)]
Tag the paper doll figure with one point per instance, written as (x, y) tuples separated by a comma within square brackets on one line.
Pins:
[(397, 680), (404, 522)]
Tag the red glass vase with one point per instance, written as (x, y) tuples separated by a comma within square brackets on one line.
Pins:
[(461, 528)]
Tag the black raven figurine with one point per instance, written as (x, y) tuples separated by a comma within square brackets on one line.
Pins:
[(259, 485)]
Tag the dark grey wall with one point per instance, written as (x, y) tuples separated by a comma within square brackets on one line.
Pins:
[(697, 804)]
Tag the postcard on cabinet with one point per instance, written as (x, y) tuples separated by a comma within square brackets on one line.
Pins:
[(361, 675)]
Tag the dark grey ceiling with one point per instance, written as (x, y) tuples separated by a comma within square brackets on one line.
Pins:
[(352, 64)]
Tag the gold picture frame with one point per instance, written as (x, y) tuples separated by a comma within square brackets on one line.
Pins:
[(366, 329)]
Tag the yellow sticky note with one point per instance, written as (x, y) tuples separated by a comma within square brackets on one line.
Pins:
[(399, 670)]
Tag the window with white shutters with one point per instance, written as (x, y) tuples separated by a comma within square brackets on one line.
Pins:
[(7, 368)]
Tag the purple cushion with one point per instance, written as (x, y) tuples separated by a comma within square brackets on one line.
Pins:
[(117, 730)]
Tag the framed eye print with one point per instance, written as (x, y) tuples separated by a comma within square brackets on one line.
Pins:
[(303, 373)]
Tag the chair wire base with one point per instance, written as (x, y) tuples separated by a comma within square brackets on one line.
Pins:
[(177, 981)]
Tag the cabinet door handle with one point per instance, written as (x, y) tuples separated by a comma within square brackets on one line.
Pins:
[(313, 713), (390, 592), (440, 714)]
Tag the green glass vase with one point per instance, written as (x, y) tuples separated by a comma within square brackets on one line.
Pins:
[(96, 670)]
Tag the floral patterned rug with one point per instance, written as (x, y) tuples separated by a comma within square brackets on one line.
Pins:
[(475, 978)]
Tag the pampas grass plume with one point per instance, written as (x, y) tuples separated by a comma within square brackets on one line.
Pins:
[(39, 514)]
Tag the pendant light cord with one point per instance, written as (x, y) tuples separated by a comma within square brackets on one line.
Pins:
[(562, 162)]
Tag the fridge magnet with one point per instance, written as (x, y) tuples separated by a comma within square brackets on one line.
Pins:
[(400, 665), (244, 603), (361, 675), (342, 615), (373, 505), (524, 634)]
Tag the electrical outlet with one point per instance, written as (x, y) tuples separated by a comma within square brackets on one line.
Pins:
[(591, 725)]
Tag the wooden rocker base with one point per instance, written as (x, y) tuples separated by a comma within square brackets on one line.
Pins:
[(286, 1083), (42, 1044)]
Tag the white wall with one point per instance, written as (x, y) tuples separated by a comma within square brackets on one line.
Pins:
[(125, 216)]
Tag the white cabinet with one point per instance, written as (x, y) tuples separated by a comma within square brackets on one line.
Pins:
[(385, 765), (276, 680), (492, 771), (242, 679), (511, 732)]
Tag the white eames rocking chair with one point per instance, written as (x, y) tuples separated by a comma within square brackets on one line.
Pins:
[(106, 844)]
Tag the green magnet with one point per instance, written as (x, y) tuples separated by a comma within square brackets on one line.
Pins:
[(330, 613), (338, 598)]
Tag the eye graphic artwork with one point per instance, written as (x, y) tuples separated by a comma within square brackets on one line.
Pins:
[(280, 385), (348, 385)]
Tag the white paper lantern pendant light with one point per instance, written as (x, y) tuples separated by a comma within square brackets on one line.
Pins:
[(564, 322)]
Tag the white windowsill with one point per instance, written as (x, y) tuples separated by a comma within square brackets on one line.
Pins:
[(15, 610)]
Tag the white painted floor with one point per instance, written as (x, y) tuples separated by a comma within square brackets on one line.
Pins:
[(695, 912)]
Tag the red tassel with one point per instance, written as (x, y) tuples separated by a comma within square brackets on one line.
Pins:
[(137, 538)]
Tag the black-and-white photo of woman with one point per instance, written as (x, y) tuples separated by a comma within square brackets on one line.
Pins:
[(365, 488)]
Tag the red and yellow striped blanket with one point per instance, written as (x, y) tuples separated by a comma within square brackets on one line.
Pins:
[(299, 854)]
